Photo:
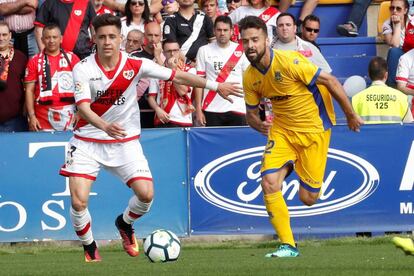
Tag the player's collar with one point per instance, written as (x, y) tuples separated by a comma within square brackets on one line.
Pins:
[(270, 64)]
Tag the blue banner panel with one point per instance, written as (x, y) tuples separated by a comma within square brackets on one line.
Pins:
[(367, 188), (35, 201)]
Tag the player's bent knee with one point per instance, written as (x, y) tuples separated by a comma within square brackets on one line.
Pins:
[(79, 205), (308, 199), (270, 184), (146, 197), (144, 190)]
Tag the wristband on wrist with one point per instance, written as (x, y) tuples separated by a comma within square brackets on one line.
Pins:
[(212, 85)]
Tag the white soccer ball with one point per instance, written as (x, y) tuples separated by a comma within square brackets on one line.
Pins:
[(162, 246), (354, 84)]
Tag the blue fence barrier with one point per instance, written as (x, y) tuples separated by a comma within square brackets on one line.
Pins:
[(207, 181), (368, 183), (34, 199)]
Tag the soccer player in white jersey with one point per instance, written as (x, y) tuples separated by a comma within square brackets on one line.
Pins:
[(405, 76), (107, 134), (223, 61)]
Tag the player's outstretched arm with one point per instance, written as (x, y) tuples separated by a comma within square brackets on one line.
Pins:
[(402, 86), (112, 129), (254, 121), (223, 89), (337, 91)]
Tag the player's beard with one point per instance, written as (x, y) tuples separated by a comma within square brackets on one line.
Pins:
[(258, 57)]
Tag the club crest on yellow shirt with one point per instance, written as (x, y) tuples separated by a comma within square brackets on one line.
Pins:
[(278, 76)]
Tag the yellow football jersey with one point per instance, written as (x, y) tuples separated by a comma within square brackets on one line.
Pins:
[(298, 103)]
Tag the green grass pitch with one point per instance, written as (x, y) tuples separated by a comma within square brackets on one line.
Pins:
[(349, 256)]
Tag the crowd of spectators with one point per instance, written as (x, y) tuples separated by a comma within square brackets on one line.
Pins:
[(41, 41)]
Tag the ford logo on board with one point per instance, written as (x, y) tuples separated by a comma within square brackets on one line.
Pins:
[(232, 182)]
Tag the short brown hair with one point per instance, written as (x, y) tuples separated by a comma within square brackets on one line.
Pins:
[(377, 68), (51, 26), (4, 23), (252, 22), (106, 19)]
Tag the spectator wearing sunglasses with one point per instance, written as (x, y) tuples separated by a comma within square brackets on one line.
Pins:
[(155, 6), (310, 29), (394, 34), (288, 40), (233, 4), (136, 16), (307, 9), (169, 8), (358, 11), (393, 28)]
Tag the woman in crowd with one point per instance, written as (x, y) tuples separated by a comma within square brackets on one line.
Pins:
[(137, 14), (394, 30)]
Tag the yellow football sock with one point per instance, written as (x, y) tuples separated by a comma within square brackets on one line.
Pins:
[(279, 217)]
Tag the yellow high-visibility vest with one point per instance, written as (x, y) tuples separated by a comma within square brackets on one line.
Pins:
[(380, 104)]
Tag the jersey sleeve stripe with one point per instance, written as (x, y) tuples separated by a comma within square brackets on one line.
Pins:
[(410, 85), (315, 77), (323, 113), (251, 106), (201, 73), (401, 79), (37, 23), (83, 101)]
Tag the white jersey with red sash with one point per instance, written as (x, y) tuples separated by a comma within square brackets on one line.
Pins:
[(405, 73), (113, 94), (267, 14), (54, 89), (222, 65), (179, 108)]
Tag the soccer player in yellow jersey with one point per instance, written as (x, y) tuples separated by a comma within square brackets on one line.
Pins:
[(300, 132)]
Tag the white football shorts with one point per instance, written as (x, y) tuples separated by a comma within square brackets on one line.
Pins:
[(125, 160)]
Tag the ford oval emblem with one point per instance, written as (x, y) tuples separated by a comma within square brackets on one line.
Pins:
[(335, 195)]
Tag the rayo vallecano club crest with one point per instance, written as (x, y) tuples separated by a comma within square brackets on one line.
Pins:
[(265, 17), (238, 53), (128, 74), (77, 12)]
